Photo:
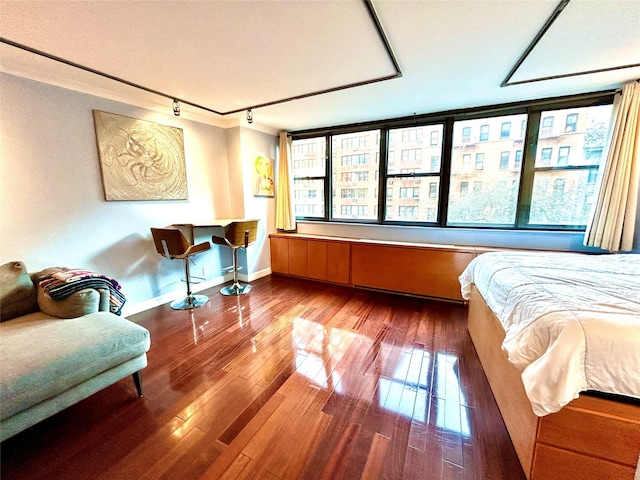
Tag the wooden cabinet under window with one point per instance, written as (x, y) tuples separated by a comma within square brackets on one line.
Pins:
[(430, 271), (316, 258), (407, 268)]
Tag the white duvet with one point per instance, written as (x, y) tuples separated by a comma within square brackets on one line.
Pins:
[(572, 321)]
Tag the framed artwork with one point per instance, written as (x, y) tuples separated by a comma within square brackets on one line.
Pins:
[(263, 185), (140, 160)]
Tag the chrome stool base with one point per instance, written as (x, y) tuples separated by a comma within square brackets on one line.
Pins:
[(235, 289), (192, 301)]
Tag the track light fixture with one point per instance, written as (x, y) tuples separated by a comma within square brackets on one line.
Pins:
[(176, 107), (249, 116)]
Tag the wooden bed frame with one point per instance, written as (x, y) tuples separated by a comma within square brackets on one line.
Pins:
[(590, 438)]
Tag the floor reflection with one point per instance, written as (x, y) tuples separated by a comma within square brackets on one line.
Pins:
[(420, 380)]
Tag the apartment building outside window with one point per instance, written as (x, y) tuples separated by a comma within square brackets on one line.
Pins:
[(378, 175), (505, 130)]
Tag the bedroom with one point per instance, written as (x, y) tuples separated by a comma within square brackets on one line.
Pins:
[(48, 143)]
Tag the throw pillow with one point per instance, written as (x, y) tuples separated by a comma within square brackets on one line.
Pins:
[(17, 291)]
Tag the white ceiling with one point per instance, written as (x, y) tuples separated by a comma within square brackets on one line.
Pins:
[(232, 55)]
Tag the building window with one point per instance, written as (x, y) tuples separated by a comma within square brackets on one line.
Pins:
[(413, 155), (545, 156), (477, 186), (466, 161), (434, 138), (563, 156), (412, 135), (505, 130), (571, 124), (484, 133), (504, 160), (546, 129), (435, 164), (409, 192), (405, 211), (466, 135), (517, 161), (433, 189), (479, 161)]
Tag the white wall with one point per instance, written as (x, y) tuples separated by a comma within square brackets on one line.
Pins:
[(52, 206)]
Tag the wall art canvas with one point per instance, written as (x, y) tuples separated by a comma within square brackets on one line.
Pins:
[(140, 160), (263, 177)]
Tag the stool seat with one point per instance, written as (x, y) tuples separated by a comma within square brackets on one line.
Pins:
[(171, 243), (237, 235)]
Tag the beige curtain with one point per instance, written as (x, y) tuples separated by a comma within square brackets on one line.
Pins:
[(285, 217), (612, 223)]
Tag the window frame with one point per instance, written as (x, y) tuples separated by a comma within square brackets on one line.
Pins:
[(533, 109)]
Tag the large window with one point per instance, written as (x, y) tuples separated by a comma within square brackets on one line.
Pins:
[(417, 183), (356, 197), (528, 166), (563, 186), (493, 200)]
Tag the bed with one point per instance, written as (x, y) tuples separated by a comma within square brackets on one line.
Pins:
[(558, 335)]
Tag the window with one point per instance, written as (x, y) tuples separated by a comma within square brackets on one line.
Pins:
[(466, 161), (396, 171), (409, 192), (408, 211), (504, 160), (484, 133), (466, 135), (547, 127), (414, 155), (309, 173), (505, 130), (435, 164), (412, 135), (563, 155), (571, 124), (493, 201), (545, 157), (517, 160), (407, 180), (562, 195), (359, 200)]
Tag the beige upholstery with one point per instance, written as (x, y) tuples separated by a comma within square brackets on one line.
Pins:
[(171, 243), (237, 235)]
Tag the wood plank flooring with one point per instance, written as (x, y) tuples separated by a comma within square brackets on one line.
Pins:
[(296, 380)]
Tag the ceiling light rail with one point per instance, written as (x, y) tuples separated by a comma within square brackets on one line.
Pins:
[(177, 101), (507, 82)]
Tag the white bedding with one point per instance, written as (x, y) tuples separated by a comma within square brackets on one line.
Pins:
[(572, 321)]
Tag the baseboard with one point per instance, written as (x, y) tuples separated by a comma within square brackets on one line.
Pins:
[(128, 310)]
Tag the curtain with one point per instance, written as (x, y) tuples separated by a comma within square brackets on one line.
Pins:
[(285, 217), (612, 222)]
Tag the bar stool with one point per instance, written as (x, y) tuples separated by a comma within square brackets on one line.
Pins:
[(237, 235), (171, 243)]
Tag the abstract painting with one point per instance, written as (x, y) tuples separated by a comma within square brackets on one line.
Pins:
[(263, 177), (140, 160)]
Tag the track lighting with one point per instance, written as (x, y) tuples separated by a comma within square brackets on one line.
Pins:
[(249, 116), (176, 107)]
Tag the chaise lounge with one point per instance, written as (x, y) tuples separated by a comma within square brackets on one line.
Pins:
[(55, 353)]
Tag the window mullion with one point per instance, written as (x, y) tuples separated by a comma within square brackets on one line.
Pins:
[(528, 169), (328, 184)]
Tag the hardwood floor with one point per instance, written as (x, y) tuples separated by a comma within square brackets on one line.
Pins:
[(294, 380)]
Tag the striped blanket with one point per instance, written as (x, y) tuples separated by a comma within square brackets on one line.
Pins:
[(67, 281)]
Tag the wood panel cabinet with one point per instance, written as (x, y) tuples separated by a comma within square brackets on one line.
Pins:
[(315, 258), (424, 270), (418, 270)]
